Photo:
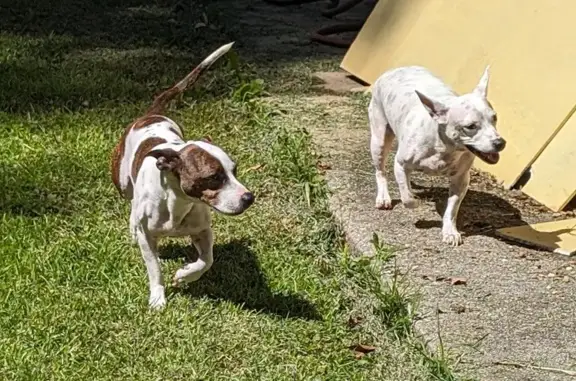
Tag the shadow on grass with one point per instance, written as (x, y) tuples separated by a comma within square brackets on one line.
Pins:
[(107, 23), (33, 201), (29, 189), (236, 276)]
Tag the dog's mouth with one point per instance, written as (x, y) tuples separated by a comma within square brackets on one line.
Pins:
[(234, 211), (227, 205), (487, 157), (229, 212)]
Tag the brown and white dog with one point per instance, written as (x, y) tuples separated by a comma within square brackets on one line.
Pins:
[(172, 184)]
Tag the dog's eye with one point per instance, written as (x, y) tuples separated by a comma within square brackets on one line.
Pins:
[(471, 127), (217, 177)]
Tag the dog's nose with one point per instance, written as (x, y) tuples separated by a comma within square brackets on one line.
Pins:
[(499, 144), (247, 199)]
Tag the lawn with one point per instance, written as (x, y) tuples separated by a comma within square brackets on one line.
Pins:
[(284, 299)]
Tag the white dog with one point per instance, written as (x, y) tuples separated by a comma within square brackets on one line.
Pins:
[(173, 183), (438, 131)]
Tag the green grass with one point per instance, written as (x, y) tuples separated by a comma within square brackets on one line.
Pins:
[(280, 298)]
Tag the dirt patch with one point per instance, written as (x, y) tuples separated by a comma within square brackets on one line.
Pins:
[(338, 82)]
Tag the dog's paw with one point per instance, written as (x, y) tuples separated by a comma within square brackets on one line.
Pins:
[(411, 203), (184, 275), (452, 237), (157, 299), (383, 204)]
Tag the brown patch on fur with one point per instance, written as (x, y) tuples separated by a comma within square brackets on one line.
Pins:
[(144, 148), (116, 160), (210, 196), (118, 152), (201, 174), (162, 100), (147, 120)]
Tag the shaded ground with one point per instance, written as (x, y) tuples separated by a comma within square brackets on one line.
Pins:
[(60, 53)]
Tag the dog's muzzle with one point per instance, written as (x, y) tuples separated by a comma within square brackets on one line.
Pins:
[(491, 157), (238, 206)]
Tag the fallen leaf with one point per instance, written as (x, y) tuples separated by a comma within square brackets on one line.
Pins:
[(485, 296), (354, 321), (428, 277), (458, 309), (457, 281), (434, 278), (359, 355), (362, 348), (324, 166), (254, 168)]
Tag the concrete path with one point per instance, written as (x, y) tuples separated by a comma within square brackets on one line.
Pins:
[(516, 305)]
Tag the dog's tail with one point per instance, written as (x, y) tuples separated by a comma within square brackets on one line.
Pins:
[(162, 100)]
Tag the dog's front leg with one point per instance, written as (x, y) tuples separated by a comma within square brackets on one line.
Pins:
[(148, 247), (402, 175), (458, 188), (193, 271)]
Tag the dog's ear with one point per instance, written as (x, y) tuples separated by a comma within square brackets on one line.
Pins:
[(167, 159), (482, 86), (437, 110)]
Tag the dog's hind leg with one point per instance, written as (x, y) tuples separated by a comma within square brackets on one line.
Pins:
[(381, 140)]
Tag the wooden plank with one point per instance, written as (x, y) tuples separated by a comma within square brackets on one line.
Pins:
[(529, 44), (553, 183), (384, 30), (556, 236)]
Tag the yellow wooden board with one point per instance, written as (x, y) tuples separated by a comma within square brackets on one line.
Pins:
[(529, 44), (556, 236), (553, 181), (384, 30)]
